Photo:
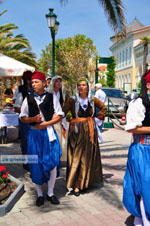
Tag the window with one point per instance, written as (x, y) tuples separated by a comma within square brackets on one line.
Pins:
[(116, 82), (126, 56), (120, 59), (129, 79), (122, 81), (123, 58), (126, 78), (119, 81), (117, 60), (130, 54)]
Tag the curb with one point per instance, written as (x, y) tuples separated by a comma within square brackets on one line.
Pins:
[(14, 197)]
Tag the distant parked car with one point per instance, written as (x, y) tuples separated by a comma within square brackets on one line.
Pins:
[(133, 95), (117, 104)]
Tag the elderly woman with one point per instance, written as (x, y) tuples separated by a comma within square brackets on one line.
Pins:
[(57, 88), (83, 154)]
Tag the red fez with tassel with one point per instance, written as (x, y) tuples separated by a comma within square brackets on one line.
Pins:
[(38, 75), (147, 76)]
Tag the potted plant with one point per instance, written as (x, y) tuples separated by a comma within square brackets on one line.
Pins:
[(11, 189)]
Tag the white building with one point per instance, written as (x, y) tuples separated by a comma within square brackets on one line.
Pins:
[(128, 53)]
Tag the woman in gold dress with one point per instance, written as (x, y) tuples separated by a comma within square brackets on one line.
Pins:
[(83, 153)]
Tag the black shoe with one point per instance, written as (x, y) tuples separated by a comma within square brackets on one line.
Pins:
[(40, 201), (53, 199), (76, 193), (26, 167)]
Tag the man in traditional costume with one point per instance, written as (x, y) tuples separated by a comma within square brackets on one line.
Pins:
[(136, 184), (41, 110)]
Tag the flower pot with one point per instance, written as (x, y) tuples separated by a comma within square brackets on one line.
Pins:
[(13, 198)]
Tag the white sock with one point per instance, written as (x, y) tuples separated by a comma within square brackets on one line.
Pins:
[(138, 221), (145, 220), (51, 182), (26, 159), (39, 190)]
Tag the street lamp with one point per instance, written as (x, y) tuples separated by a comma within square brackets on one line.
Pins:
[(96, 71), (53, 25)]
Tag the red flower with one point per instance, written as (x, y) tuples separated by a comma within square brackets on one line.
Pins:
[(2, 168), (3, 174)]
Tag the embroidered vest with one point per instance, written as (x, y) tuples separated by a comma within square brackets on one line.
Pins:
[(46, 107), (87, 113), (146, 121)]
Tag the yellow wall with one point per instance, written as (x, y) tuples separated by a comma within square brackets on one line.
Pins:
[(127, 71)]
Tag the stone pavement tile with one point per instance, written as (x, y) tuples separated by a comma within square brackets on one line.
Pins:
[(58, 214), (32, 221), (92, 220), (52, 221), (81, 221), (59, 224), (102, 217), (67, 220), (3, 223), (22, 220), (114, 223), (14, 224), (10, 221), (43, 224), (49, 218), (72, 224), (71, 214)]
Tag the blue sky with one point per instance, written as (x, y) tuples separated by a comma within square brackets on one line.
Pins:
[(76, 17)]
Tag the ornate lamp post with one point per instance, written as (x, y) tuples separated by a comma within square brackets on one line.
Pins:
[(53, 25), (96, 71)]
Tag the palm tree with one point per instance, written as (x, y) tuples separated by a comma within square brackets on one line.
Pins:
[(145, 41), (114, 10), (17, 47)]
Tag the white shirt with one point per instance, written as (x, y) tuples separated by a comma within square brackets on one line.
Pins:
[(39, 100), (83, 103), (100, 94), (135, 114)]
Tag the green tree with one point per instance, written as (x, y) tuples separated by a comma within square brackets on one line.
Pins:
[(72, 57), (111, 74), (17, 46), (114, 11), (145, 41)]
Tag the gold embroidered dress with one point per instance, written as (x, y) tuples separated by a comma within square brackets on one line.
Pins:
[(83, 153)]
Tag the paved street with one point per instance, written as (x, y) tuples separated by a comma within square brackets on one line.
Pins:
[(100, 206)]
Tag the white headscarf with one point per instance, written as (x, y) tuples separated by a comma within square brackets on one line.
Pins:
[(50, 88), (89, 96)]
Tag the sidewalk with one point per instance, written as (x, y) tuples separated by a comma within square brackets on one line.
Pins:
[(99, 206)]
